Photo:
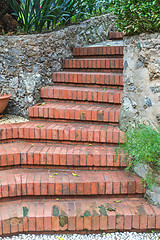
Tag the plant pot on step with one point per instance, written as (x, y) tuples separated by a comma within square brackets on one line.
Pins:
[(4, 99)]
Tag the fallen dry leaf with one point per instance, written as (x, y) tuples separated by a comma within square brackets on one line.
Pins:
[(75, 175)]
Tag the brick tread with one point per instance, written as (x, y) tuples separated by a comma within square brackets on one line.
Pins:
[(75, 112), (110, 79), (40, 182), (41, 154), (26, 216), (93, 63), (115, 35), (59, 131), (73, 93), (98, 51)]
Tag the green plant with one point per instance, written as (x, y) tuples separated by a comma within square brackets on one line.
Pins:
[(35, 15), (137, 16), (142, 145)]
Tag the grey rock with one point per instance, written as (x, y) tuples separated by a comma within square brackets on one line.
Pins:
[(154, 196), (125, 65), (139, 64), (155, 89), (147, 102), (128, 115)]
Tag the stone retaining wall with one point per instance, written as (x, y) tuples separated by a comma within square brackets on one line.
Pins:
[(27, 61), (141, 98)]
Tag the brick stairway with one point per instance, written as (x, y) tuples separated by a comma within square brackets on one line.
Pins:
[(58, 171)]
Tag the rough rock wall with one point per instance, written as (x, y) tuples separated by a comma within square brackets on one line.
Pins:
[(141, 98), (27, 61)]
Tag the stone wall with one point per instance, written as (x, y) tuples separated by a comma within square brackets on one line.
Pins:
[(141, 98), (27, 61)]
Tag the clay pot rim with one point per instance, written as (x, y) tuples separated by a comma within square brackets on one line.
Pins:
[(5, 96)]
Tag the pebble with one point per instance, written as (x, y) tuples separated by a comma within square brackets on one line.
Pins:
[(103, 236)]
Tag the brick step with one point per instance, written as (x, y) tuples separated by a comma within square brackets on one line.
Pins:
[(99, 64), (39, 182), (93, 52), (30, 216), (75, 112), (84, 78), (115, 35), (63, 132), (73, 93), (26, 154)]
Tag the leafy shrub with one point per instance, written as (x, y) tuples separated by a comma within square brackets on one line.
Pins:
[(137, 16), (35, 15), (142, 145)]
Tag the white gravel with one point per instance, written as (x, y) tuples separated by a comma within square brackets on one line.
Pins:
[(8, 118), (103, 236)]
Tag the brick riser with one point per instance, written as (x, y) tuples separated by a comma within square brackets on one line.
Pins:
[(63, 132), (110, 65), (108, 51), (26, 216), (75, 112), (76, 94), (57, 155), (73, 132), (88, 78), (115, 35), (84, 79), (29, 182)]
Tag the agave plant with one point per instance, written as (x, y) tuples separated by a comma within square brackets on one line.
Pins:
[(33, 14)]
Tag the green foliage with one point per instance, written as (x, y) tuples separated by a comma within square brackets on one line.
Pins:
[(137, 16), (33, 14), (142, 145), (36, 15)]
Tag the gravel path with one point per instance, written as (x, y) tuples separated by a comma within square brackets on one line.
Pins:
[(103, 236), (12, 119)]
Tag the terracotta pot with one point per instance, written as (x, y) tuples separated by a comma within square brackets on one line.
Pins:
[(4, 102)]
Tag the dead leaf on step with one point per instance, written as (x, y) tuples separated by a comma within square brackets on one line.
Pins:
[(75, 175)]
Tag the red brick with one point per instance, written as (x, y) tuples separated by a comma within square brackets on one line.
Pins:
[(79, 223), (39, 218), (111, 220), (87, 223), (55, 223), (103, 223)]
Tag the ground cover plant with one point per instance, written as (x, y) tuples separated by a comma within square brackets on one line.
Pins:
[(142, 146), (137, 16)]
